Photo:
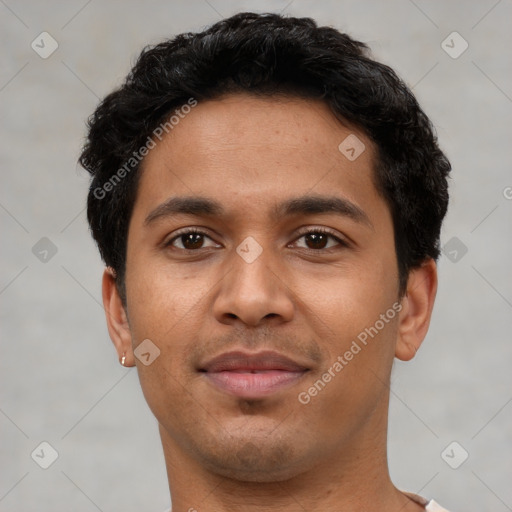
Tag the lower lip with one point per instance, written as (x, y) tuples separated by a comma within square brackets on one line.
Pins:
[(253, 385)]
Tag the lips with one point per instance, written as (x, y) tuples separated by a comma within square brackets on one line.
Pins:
[(252, 376)]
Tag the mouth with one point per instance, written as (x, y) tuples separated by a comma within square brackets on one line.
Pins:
[(252, 376)]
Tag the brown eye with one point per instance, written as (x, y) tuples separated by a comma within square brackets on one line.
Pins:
[(317, 239), (191, 241)]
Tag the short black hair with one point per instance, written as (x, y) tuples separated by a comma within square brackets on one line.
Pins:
[(269, 54)]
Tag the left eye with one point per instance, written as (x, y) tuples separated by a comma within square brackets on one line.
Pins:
[(316, 240)]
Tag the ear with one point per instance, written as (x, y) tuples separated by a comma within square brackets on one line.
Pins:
[(117, 320), (417, 305)]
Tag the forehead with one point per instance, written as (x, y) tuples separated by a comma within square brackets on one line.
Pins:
[(251, 151), (270, 122)]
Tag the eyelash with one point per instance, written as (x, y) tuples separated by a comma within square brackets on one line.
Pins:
[(323, 231)]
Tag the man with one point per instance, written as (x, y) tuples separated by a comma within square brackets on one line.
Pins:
[(268, 201)]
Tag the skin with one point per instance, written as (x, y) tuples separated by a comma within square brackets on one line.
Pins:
[(224, 452)]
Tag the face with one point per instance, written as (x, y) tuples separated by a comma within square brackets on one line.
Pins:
[(261, 264)]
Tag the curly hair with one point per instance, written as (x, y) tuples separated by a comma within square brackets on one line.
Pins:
[(268, 54)]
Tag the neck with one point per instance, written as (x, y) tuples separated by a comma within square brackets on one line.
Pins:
[(354, 477)]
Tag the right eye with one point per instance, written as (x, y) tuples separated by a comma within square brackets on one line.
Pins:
[(189, 240)]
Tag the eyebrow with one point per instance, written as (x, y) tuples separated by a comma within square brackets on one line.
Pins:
[(304, 205)]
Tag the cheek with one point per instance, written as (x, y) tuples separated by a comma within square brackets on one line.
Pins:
[(362, 328), (347, 298), (160, 301), (356, 324), (165, 308), (359, 335), (167, 394)]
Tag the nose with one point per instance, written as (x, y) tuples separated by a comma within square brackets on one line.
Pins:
[(253, 293)]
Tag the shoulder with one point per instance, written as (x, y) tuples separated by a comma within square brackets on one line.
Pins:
[(430, 505)]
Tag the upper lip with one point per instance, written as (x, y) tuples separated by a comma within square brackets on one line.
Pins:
[(238, 360)]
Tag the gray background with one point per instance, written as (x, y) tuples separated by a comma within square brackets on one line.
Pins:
[(60, 378)]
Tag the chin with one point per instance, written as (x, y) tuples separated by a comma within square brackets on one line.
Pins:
[(254, 460)]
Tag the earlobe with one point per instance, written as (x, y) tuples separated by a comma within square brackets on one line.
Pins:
[(117, 321), (417, 305)]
